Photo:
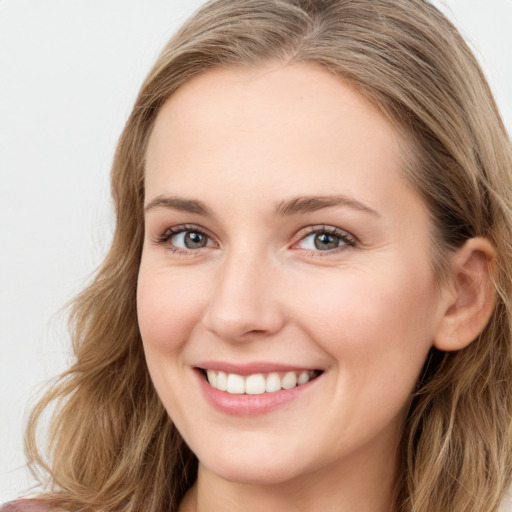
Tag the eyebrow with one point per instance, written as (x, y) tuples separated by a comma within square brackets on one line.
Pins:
[(294, 206), (307, 204), (180, 204)]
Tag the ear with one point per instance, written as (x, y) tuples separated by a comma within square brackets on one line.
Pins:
[(471, 297)]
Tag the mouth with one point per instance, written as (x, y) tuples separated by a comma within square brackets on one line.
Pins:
[(257, 383)]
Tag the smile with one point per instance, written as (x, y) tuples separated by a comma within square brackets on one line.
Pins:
[(258, 383), (253, 389)]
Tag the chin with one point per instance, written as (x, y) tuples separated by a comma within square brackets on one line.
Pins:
[(257, 468), (251, 474)]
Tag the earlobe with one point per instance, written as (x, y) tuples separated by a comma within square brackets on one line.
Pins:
[(470, 301)]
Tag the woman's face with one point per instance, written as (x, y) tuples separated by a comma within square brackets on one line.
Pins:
[(282, 244)]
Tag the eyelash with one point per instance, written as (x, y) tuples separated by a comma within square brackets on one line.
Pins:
[(347, 239)]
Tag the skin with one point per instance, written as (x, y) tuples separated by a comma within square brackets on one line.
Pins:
[(241, 142)]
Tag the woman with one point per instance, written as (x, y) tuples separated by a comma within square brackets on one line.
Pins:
[(307, 300)]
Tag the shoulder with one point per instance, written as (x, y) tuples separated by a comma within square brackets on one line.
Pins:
[(26, 506)]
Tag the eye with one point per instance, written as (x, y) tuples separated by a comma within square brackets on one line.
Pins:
[(189, 240), (325, 239), (184, 238)]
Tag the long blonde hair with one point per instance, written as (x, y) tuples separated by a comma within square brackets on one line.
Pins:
[(112, 445)]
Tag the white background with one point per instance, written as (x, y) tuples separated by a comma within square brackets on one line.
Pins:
[(69, 73)]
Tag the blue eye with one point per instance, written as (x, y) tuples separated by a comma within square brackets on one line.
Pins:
[(325, 239)]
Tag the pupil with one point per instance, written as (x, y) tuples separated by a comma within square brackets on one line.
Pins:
[(326, 241), (194, 240)]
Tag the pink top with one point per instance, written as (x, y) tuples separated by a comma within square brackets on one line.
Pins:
[(26, 506)]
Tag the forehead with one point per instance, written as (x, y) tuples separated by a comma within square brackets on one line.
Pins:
[(288, 125)]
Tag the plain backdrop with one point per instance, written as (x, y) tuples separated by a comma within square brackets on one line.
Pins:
[(69, 73)]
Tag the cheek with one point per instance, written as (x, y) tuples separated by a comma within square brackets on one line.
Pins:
[(378, 327), (168, 308), (378, 336)]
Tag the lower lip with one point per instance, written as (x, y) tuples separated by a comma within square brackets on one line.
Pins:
[(250, 405)]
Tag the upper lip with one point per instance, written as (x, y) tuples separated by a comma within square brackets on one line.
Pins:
[(252, 368)]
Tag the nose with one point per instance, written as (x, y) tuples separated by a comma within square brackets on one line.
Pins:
[(244, 304)]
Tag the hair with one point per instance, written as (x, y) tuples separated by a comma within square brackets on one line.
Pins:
[(112, 446)]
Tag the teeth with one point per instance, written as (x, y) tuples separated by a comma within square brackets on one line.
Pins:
[(258, 383), (273, 383), (212, 377), (222, 381), (236, 384), (303, 378), (255, 384), (289, 381)]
